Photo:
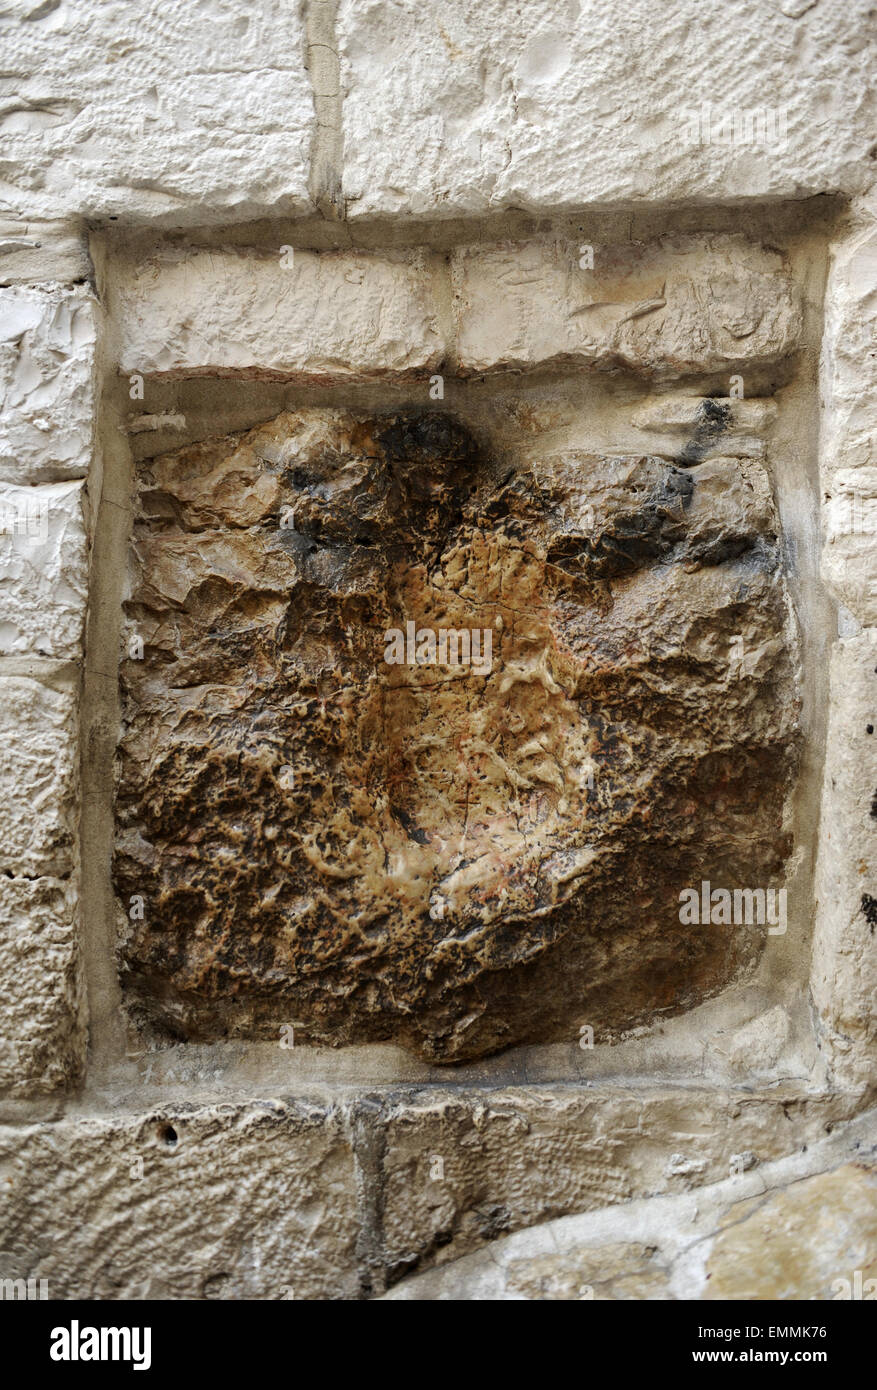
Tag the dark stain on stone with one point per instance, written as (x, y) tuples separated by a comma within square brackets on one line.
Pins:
[(711, 420), (869, 908)]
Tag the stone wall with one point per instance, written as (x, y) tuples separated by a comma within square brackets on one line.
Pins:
[(322, 971)]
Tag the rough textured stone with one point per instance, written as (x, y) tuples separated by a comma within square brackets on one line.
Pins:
[(42, 1026), (843, 980), (319, 316), (33, 252), (749, 1236), (557, 104), (183, 114), (249, 1201), (515, 1157), (307, 844), (682, 305), (849, 388), (47, 393), (38, 770), (740, 428), (43, 570), (800, 1243)]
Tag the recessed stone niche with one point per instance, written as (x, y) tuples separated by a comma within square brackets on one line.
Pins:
[(332, 823)]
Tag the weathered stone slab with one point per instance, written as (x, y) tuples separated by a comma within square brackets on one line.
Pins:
[(43, 570), (458, 857), (849, 423), (184, 115), (463, 1168), (678, 306), (778, 1232), (248, 1201), (286, 314), (47, 390), (39, 759), (815, 1240), (42, 1026), (37, 252), (558, 105), (843, 979)]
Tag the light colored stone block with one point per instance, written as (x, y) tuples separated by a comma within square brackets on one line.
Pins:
[(36, 252), (235, 1201), (187, 113), (849, 389), (676, 306), (320, 316), (47, 386), (551, 105), (843, 980), (42, 1024), (43, 570), (516, 1156), (802, 1227), (39, 758)]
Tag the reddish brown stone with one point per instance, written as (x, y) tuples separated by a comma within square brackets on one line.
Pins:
[(454, 860)]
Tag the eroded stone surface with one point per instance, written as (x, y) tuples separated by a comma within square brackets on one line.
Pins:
[(843, 980), (682, 305), (181, 114), (290, 313), (254, 1201), (42, 1032), (805, 1242), (565, 102), (39, 759), (849, 387), (43, 570), (512, 1158), (455, 860), (778, 1224), (47, 392)]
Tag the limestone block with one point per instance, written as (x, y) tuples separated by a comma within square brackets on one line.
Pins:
[(848, 465), (39, 758), (42, 1027), (302, 313), (680, 305), (552, 105), (187, 114), (810, 1241), (455, 856), (33, 252), (237, 1201), (47, 388), (463, 1170), (700, 427), (757, 1046), (843, 978), (43, 570)]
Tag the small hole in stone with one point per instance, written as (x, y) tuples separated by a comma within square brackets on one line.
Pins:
[(168, 1134), (869, 728)]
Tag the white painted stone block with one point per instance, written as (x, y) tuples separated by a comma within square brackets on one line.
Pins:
[(43, 570), (559, 103), (47, 387), (843, 980)]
